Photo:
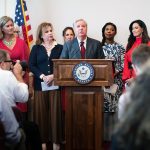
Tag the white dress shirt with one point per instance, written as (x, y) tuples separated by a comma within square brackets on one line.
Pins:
[(123, 102), (79, 42), (9, 122), (14, 90)]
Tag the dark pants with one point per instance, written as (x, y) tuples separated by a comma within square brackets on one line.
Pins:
[(33, 138), (31, 130)]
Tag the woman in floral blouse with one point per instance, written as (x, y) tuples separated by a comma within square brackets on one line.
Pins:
[(115, 51)]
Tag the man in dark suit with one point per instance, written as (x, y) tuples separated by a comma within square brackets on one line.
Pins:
[(72, 49)]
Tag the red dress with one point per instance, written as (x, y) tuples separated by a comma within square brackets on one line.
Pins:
[(20, 51), (128, 71)]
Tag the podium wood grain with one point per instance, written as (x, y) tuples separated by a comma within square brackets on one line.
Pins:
[(84, 103)]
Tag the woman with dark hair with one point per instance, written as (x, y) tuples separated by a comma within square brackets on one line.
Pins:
[(68, 34), (47, 103), (115, 51), (133, 131), (138, 35)]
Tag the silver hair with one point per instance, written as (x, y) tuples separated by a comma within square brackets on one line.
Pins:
[(78, 21)]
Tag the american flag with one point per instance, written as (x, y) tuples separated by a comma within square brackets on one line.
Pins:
[(22, 20)]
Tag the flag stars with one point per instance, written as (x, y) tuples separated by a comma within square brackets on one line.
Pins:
[(19, 18)]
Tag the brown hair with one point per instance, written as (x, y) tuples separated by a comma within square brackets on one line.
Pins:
[(39, 38), (132, 38), (68, 28)]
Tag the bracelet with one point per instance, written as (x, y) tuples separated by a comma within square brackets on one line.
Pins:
[(41, 76)]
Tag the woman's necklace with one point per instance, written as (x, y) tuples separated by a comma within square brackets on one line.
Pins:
[(48, 46), (8, 43)]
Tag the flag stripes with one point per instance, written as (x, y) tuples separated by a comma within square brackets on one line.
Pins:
[(23, 21)]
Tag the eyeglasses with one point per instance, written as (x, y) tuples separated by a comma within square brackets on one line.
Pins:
[(8, 61)]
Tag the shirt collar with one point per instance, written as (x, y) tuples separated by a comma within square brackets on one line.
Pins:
[(79, 41), (54, 43)]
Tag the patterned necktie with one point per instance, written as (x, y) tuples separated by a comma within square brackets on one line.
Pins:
[(82, 50)]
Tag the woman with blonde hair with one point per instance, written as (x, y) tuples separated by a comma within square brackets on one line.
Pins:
[(16, 47)]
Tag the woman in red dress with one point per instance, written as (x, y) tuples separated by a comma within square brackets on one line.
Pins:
[(15, 46), (138, 35)]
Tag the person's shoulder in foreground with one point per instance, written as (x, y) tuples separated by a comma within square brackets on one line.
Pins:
[(9, 122)]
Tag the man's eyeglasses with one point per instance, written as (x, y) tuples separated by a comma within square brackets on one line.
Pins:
[(8, 61)]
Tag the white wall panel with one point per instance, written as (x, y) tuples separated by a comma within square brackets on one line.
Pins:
[(62, 13)]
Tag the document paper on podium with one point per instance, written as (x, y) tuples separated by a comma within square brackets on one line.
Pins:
[(46, 87)]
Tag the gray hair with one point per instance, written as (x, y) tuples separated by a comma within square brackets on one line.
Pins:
[(78, 21), (3, 55), (141, 55)]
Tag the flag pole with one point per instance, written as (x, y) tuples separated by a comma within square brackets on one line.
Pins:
[(23, 11)]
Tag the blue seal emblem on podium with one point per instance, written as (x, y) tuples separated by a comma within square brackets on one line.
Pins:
[(83, 73)]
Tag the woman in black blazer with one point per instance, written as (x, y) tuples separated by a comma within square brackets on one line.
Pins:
[(47, 104)]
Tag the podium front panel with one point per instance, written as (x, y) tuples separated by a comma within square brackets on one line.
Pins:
[(84, 103), (102, 70), (84, 127)]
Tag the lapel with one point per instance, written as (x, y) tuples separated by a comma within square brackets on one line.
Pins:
[(89, 48), (75, 49)]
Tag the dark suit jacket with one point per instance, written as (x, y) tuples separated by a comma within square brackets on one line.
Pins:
[(71, 50), (40, 63)]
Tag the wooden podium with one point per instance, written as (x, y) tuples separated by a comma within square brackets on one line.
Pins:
[(84, 103)]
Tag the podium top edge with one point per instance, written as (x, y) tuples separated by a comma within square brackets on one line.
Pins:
[(82, 59)]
